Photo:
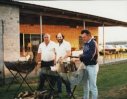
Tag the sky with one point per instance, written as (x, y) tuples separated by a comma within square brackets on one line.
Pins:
[(109, 9)]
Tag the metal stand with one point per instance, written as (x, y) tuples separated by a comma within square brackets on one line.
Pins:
[(20, 83)]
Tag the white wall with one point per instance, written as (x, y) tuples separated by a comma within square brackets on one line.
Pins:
[(10, 16)]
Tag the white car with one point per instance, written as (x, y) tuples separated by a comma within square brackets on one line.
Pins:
[(110, 48), (123, 48), (118, 48)]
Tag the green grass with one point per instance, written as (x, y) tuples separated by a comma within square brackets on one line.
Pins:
[(111, 79), (112, 75), (112, 84)]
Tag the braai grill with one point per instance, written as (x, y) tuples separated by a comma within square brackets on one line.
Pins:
[(22, 68)]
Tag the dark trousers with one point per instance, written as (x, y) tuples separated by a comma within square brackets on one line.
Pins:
[(43, 77), (51, 81), (59, 85)]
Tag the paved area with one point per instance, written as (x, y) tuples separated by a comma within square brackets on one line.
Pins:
[(112, 58)]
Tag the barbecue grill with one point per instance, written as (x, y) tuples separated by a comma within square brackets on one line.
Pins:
[(22, 68)]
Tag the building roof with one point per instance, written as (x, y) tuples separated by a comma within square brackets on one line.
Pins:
[(60, 13)]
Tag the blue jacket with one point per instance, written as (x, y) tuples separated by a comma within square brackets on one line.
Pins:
[(90, 53)]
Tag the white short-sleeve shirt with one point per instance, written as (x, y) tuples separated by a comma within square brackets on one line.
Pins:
[(47, 52), (61, 50)]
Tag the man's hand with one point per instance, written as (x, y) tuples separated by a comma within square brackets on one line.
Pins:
[(81, 57), (37, 67), (54, 62), (60, 59)]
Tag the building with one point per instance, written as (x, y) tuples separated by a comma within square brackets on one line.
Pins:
[(23, 25)]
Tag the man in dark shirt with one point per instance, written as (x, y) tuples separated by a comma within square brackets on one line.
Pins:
[(89, 58)]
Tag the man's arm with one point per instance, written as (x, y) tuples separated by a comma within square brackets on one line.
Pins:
[(55, 56), (68, 50), (68, 53), (38, 58)]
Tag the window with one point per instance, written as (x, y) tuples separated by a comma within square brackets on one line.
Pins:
[(29, 42)]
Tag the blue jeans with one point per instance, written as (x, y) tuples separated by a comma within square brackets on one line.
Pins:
[(90, 81)]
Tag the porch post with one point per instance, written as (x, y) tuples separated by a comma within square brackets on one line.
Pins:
[(103, 44), (23, 45), (41, 27), (84, 24)]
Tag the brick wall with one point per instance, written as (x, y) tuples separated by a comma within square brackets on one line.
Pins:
[(71, 34)]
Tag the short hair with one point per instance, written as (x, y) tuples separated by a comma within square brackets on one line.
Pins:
[(61, 35), (47, 35), (86, 32)]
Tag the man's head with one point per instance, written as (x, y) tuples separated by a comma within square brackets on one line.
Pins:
[(60, 37), (46, 38), (86, 35)]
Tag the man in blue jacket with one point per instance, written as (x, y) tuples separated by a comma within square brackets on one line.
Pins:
[(89, 58)]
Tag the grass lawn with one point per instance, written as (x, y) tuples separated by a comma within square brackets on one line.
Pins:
[(112, 84), (112, 81)]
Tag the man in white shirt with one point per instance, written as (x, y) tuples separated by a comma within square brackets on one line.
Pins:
[(47, 56), (63, 51)]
